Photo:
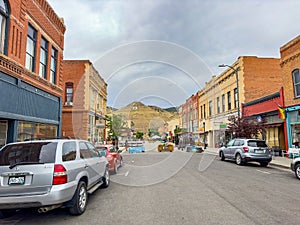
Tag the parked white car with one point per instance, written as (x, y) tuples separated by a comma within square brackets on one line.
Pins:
[(295, 166)]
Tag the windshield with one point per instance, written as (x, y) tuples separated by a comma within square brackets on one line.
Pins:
[(41, 152)]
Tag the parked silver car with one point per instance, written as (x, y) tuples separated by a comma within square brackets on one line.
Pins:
[(245, 150), (295, 166), (48, 174)]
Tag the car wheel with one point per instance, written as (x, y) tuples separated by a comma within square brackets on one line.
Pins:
[(106, 179), (238, 159), (79, 199), (222, 156), (264, 164), (297, 171)]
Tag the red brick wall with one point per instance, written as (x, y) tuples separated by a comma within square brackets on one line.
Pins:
[(43, 18), (75, 118), (262, 77), (290, 60)]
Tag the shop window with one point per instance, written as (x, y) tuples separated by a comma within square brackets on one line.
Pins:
[(43, 58), (3, 24), (296, 82), (53, 66), (30, 48)]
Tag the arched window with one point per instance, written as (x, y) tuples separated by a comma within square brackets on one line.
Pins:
[(296, 82), (3, 22), (69, 93)]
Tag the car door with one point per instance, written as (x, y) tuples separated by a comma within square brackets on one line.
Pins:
[(236, 145), (227, 149), (90, 163), (100, 162)]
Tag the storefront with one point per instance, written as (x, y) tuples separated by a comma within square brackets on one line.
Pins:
[(293, 126), (27, 112)]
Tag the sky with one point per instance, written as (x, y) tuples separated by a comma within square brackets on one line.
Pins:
[(161, 52)]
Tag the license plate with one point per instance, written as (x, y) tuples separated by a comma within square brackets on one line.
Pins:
[(16, 180), (259, 151)]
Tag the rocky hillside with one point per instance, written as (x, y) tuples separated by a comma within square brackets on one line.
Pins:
[(144, 117)]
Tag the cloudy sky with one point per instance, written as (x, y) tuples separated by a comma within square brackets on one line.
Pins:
[(161, 52)]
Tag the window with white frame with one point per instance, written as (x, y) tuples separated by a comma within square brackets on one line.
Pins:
[(30, 48), (210, 108), (218, 105), (69, 92), (235, 98), (229, 100), (3, 21), (223, 103), (296, 82)]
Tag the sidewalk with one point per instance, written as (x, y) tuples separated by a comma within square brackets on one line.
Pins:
[(278, 161)]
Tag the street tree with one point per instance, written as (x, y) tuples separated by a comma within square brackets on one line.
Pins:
[(114, 123), (246, 127)]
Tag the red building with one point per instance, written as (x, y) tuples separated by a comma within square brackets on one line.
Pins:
[(266, 108), (31, 53)]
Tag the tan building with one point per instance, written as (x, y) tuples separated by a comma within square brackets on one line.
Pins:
[(257, 77), (84, 101)]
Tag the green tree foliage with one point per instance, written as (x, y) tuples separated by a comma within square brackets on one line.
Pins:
[(114, 124), (246, 127), (139, 135)]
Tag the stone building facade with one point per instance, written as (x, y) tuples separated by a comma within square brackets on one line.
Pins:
[(84, 101), (31, 54)]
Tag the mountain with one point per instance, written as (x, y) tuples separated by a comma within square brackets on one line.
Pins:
[(144, 117)]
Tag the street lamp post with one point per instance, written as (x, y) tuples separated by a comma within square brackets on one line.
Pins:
[(237, 85)]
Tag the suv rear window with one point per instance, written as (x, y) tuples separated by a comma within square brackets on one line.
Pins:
[(41, 152), (257, 144)]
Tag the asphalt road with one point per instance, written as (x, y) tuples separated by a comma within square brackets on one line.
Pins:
[(184, 188)]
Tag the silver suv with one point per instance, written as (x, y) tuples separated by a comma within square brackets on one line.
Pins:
[(48, 174), (245, 150)]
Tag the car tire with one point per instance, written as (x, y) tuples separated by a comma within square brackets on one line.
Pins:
[(297, 171), (79, 200), (238, 159), (222, 157), (264, 164), (106, 179)]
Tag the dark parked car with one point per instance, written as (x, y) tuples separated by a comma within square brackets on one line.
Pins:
[(245, 150)]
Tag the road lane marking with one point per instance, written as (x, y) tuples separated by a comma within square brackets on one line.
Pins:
[(263, 171), (126, 174)]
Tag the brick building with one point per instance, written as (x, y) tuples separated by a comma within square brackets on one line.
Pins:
[(290, 64), (31, 53), (218, 100), (84, 101)]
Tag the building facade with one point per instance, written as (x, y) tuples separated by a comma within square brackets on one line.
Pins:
[(218, 100), (84, 101), (266, 109), (290, 64), (31, 54)]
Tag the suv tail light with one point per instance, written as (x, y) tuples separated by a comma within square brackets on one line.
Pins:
[(59, 175), (246, 149)]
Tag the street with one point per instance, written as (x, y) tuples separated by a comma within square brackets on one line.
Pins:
[(184, 188)]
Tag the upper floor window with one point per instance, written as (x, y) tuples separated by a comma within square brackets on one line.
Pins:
[(235, 98), (210, 106), (53, 66), (229, 100), (69, 92), (3, 21), (296, 81), (30, 48), (218, 105), (43, 58), (204, 112), (223, 103)]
